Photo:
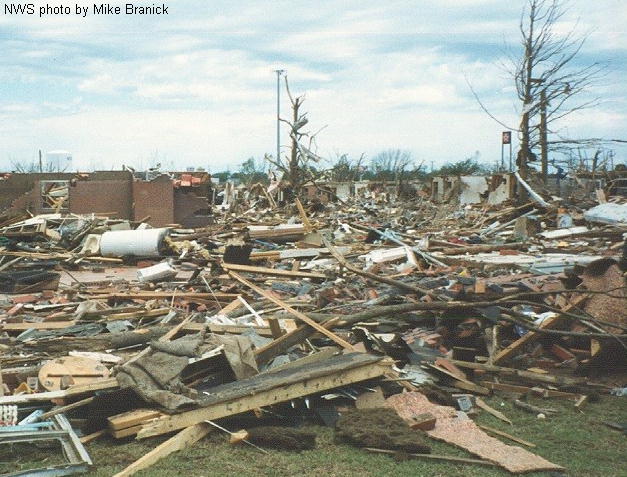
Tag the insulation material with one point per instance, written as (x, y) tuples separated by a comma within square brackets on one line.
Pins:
[(456, 428)]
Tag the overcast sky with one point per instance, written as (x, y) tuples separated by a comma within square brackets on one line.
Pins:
[(197, 87)]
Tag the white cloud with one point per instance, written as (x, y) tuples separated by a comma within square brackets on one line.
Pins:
[(199, 87)]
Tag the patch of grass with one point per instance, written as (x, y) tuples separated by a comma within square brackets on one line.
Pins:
[(577, 441)]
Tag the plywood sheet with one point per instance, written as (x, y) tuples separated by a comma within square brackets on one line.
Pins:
[(463, 432)]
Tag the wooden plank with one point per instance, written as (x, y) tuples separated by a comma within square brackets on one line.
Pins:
[(131, 418), (440, 458), (507, 436), (94, 435), (101, 384), (234, 305), (271, 271), (149, 295), (273, 388), (233, 329), (303, 216), (275, 328), (276, 233), (44, 325), (481, 404), (546, 393), (138, 314), (122, 433), (266, 353), (460, 382), (526, 375), (63, 409), (180, 441), (296, 313)]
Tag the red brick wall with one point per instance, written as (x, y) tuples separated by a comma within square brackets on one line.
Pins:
[(155, 199), (102, 197)]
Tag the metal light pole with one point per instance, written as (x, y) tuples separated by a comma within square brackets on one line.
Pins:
[(278, 113)]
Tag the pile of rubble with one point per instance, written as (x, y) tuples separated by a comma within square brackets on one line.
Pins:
[(390, 318)]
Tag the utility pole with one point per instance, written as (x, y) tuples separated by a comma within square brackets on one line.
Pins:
[(502, 166), (543, 137), (278, 113)]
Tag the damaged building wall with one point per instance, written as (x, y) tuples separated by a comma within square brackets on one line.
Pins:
[(18, 190), (111, 197), (154, 199), (494, 189), (191, 210), (472, 189), (502, 188), (114, 193)]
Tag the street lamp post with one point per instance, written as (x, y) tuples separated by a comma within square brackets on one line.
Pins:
[(278, 113)]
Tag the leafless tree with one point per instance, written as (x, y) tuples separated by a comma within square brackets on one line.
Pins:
[(299, 167), (391, 164), (33, 167), (548, 81), (346, 169)]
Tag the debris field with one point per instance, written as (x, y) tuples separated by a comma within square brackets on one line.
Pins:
[(386, 318)]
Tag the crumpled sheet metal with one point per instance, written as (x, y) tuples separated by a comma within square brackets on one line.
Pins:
[(464, 433)]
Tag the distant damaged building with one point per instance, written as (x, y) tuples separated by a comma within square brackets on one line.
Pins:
[(156, 198), (493, 189)]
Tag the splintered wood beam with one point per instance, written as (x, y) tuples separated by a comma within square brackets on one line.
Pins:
[(272, 388), (99, 385), (182, 440), (544, 393), (271, 271), (63, 409), (460, 382), (531, 336), (148, 295), (441, 458), (281, 344), (296, 313), (507, 436), (528, 375), (94, 435), (230, 329), (303, 216), (371, 276), (45, 325)]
